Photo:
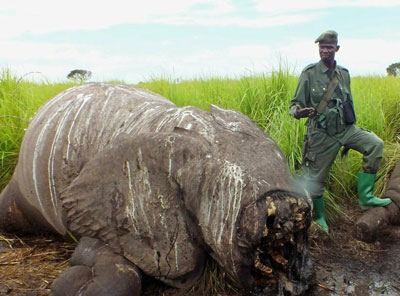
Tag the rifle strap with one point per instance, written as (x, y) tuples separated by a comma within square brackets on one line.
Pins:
[(328, 95)]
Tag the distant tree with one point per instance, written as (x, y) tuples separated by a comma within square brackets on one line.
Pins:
[(79, 75), (393, 70)]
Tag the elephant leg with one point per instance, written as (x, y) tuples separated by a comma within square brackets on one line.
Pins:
[(97, 270), (17, 215), (12, 218)]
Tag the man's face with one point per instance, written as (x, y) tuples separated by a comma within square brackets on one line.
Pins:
[(327, 51)]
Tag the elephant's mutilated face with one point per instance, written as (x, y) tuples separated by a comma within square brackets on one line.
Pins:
[(252, 216)]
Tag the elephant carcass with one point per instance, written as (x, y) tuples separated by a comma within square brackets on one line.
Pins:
[(159, 187), (375, 221)]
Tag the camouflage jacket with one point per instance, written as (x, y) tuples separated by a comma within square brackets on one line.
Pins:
[(313, 83)]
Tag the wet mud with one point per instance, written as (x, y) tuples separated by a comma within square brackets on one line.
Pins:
[(345, 266)]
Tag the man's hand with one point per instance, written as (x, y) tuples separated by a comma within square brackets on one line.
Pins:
[(304, 112)]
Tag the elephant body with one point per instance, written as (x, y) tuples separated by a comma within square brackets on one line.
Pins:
[(161, 187)]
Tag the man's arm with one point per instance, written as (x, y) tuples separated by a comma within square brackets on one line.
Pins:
[(299, 106)]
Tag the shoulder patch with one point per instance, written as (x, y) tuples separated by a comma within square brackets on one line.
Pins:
[(309, 66)]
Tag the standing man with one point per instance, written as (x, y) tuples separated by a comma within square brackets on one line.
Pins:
[(323, 96)]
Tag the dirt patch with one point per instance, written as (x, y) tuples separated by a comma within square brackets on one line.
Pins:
[(29, 265), (343, 266), (346, 266)]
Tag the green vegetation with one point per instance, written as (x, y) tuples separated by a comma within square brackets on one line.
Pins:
[(264, 98), (393, 69), (19, 100), (79, 76)]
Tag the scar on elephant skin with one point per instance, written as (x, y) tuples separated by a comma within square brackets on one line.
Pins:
[(150, 188)]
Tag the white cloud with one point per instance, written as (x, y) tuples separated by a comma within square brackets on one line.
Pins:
[(360, 56), (260, 22), (298, 53), (56, 60), (367, 3), (369, 56), (234, 61), (44, 16), (285, 6), (249, 51), (49, 16)]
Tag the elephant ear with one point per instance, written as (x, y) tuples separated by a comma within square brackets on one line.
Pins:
[(235, 121), (132, 196)]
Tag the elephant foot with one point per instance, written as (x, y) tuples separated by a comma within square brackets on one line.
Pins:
[(97, 270)]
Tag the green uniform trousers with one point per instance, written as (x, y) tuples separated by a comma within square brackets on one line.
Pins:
[(320, 151)]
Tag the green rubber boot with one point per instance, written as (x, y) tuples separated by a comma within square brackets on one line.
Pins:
[(365, 197), (319, 213)]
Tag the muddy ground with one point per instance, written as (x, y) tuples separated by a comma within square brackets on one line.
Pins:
[(343, 265)]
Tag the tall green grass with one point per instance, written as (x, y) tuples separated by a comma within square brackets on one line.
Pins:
[(264, 98), (19, 100)]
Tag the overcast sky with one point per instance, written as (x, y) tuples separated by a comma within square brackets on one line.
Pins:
[(138, 40)]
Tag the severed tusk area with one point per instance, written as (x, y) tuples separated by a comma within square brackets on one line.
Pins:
[(282, 252)]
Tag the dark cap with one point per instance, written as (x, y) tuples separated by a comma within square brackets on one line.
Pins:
[(328, 37)]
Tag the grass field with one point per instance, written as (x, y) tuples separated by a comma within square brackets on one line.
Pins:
[(264, 98)]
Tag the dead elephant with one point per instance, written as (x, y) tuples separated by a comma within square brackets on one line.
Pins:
[(153, 188), (375, 221)]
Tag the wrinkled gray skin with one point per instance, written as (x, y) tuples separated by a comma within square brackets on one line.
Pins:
[(373, 222), (151, 187)]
